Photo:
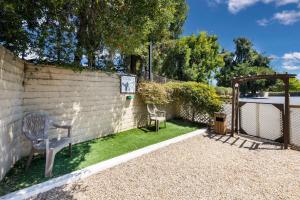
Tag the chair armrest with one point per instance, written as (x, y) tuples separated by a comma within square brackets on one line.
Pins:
[(160, 112), (68, 127)]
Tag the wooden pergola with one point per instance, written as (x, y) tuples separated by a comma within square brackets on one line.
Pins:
[(235, 101)]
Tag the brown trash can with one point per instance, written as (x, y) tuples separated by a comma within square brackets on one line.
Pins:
[(220, 124)]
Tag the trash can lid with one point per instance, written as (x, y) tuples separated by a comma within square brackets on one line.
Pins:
[(220, 114)]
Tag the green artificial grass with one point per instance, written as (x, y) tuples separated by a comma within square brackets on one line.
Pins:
[(89, 153)]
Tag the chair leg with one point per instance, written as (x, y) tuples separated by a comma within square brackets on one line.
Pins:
[(29, 159), (50, 155), (70, 149), (157, 125), (165, 124)]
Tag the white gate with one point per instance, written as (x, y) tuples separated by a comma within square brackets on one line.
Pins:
[(295, 125), (262, 120)]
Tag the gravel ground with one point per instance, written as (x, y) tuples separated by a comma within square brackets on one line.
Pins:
[(203, 167)]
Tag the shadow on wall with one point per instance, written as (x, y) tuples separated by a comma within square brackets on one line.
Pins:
[(12, 143)]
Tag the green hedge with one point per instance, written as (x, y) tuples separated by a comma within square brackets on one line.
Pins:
[(200, 97), (224, 91)]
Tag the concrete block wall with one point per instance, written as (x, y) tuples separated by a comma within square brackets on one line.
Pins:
[(89, 101), (12, 143)]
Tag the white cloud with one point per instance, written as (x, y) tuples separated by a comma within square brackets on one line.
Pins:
[(295, 56), (291, 68), (214, 2), (235, 6), (291, 61), (287, 17), (274, 57), (263, 22)]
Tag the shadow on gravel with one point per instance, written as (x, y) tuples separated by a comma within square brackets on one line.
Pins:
[(61, 193), (245, 141)]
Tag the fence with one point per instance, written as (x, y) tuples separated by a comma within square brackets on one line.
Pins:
[(295, 125), (266, 120)]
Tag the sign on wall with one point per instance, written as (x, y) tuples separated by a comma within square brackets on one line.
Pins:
[(128, 84)]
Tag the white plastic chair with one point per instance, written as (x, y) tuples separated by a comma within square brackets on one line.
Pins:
[(35, 128), (156, 115)]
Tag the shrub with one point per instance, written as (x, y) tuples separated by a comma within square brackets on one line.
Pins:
[(200, 97), (221, 91), (153, 93), (224, 91)]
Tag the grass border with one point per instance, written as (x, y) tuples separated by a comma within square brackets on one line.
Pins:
[(93, 169)]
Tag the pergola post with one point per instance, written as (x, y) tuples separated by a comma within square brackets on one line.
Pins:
[(233, 109), (237, 107), (286, 120)]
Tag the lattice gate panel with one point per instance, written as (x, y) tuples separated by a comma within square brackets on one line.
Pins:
[(227, 109), (270, 122), (261, 120), (295, 126), (248, 117)]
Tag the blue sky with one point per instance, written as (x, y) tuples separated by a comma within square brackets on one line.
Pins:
[(272, 25)]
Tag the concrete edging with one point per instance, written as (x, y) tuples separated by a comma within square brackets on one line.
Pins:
[(94, 169)]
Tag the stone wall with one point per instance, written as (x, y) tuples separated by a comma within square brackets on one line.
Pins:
[(89, 101)]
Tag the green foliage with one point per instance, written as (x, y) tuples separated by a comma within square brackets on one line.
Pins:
[(12, 15), (259, 85), (153, 93), (243, 62), (201, 97), (279, 86), (165, 26), (198, 96), (224, 91), (62, 32), (192, 58)]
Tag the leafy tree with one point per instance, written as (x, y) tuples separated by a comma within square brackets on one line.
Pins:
[(14, 16), (294, 86), (254, 86), (60, 31), (166, 23), (193, 58), (243, 62), (177, 61), (243, 51)]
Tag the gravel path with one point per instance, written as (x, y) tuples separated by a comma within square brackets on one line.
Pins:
[(204, 167)]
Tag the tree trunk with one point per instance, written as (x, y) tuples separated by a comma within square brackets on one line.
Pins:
[(91, 59), (80, 37), (133, 63), (150, 61), (58, 44)]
